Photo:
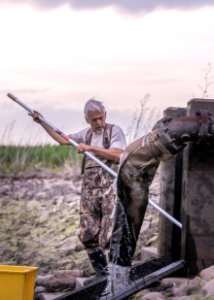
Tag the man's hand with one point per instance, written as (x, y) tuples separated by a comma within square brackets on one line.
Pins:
[(81, 148), (35, 115), (111, 153)]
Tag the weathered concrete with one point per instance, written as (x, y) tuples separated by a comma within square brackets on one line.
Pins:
[(170, 199), (197, 201)]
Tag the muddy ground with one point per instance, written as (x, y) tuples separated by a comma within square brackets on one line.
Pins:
[(39, 215)]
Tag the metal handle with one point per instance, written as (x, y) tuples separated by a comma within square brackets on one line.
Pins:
[(91, 156)]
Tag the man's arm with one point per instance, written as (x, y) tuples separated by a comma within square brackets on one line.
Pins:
[(117, 145), (111, 153), (56, 136)]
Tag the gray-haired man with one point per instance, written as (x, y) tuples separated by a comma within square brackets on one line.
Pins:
[(107, 142)]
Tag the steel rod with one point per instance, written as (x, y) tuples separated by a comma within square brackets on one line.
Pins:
[(72, 142), (91, 156)]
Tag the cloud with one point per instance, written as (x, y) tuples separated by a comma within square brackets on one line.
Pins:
[(128, 5)]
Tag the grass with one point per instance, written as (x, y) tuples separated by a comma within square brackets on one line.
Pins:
[(22, 158), (16, 158)]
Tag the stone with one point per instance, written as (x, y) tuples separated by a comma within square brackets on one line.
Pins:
[(68, 273), (207, 273), (208, 289), (173, 282), (153, 296), (148, 252), (43, 280), (39, 289), (49, 226), (51, 296), (81, 281)]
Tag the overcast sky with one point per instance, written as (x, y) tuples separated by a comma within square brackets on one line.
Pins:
[(57, 54)]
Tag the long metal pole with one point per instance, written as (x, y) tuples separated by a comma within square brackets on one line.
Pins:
[(72, 142), (91, 156)]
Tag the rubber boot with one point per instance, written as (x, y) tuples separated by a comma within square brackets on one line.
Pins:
[(99, 262), (100, 265)]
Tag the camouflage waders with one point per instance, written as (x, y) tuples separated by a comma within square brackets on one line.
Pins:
[(96, 207), (137, 170)]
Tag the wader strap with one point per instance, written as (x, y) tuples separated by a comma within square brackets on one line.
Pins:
[(106, 140)]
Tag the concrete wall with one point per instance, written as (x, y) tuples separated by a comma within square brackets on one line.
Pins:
[(169, 243), (197, 245), (187, 193)]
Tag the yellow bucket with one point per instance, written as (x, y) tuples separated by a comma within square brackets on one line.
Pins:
[(17, 282)]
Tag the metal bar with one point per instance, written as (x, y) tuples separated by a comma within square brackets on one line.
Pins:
[(94, 291), (148, 280), (164, 213), (91, 156), (72, 142)]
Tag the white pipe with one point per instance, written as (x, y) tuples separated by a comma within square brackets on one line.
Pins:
[(72, 142)]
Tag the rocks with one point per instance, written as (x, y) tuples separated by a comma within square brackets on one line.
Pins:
[(208, 289), (208, 273), (153, 296), (51, 296), (200, 287), (64, 280), (181, 286), (39, 227)]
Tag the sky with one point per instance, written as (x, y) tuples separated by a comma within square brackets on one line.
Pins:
[(56, 54)]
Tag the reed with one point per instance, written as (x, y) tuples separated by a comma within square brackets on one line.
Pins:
[(21, 158)]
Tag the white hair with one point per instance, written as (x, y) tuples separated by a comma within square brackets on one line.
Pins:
[(93, 105)]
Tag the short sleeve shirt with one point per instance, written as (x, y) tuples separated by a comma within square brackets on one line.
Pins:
[(118, 139)]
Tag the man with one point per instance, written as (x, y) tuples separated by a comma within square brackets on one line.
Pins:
[(107, 142), (137, 169)]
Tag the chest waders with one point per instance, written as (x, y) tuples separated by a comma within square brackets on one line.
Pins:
[(96, 206), (137, 169)]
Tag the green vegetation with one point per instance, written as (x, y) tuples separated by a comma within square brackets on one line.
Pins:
[(22, 158)]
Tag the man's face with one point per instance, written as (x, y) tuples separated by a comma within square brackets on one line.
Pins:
[(96, 119)]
